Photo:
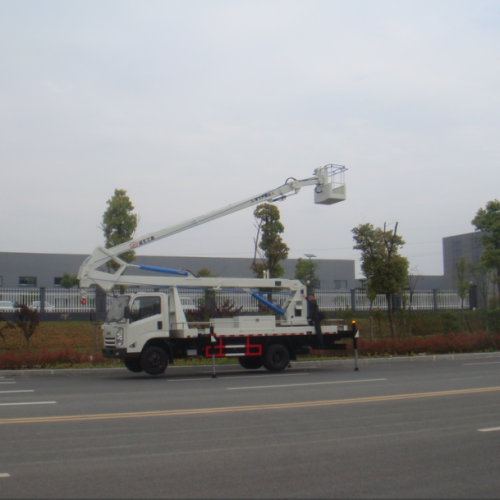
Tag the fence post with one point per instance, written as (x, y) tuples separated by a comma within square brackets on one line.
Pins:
[(41, 311), (353, 299), (42, 300), (435, 299)]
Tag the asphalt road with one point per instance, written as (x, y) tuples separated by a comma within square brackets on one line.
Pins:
[(405, 430)]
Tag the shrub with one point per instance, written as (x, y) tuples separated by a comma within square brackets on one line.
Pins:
[(435, 344), (492, 318)]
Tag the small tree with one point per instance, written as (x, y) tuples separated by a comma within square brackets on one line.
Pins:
[(119, 224), (269, 228), (463, 285), (385, 270), (488, 221), (413, 277), (209, 295), (69, 281), (371, 296), (483, 278), (305, 271), (28, 321), (205, 273)]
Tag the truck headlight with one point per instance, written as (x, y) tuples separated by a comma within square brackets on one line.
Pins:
[(119, 337)]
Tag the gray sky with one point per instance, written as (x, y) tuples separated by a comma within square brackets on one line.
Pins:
[(191, 105)]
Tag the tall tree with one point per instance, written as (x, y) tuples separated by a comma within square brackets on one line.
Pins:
[(385, 270), (274, 250), (487, 220), (119, 224)]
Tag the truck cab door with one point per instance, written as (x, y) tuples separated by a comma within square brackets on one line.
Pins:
[(146, 318)]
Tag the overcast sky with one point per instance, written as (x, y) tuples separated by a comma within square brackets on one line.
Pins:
[(191, 105)]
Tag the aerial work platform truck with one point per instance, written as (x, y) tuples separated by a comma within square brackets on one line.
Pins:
[(148, 330)]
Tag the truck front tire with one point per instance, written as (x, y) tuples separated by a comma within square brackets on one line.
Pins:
[(276, 358), (154, 360), (134, 365), (250, 362)]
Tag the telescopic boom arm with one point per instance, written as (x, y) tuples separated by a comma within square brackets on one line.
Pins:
[(330, 188)]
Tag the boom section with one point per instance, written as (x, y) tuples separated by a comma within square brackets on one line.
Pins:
[(330, 188)]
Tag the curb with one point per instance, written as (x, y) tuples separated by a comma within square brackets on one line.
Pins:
[(236, 368)]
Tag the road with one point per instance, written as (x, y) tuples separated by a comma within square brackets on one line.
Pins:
[(405, 430)]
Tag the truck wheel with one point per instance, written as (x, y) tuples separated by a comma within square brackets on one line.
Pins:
[(250, 362), (134, 365), (276, 358), (154, 360)]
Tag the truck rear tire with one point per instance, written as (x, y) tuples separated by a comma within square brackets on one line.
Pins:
[(276, 358), (154, 360), (250, 362), (134, 365)]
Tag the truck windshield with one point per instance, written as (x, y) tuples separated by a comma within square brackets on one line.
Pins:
[(117, 310)]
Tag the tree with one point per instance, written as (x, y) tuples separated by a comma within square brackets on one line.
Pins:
[(305, 271), (488, 222), (209, 295), (119, 224), (204, 272), (463, 285), (385, 270), (412, 280), (28, 321), (269, 228), (69, 281), (483, 278)]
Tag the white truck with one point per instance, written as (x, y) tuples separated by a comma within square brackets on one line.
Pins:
[(147, 330)]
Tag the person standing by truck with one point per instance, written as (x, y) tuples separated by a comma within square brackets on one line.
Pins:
[(314, 316)]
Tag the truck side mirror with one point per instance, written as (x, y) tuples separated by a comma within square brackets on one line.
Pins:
[(126, 312)]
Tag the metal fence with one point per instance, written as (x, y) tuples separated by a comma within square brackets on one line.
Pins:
[(421, 300), (61, 300)]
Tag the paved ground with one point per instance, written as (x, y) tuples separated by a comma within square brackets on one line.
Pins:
[(392, 429)]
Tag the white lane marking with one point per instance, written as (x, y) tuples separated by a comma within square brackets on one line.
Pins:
[(490, 429), (4, 474), (484, 363), (6, 383), (241, 376), (303, 385), (12, 392), (31, 403)]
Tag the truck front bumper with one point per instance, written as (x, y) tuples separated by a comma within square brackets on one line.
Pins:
[(114, 352)]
